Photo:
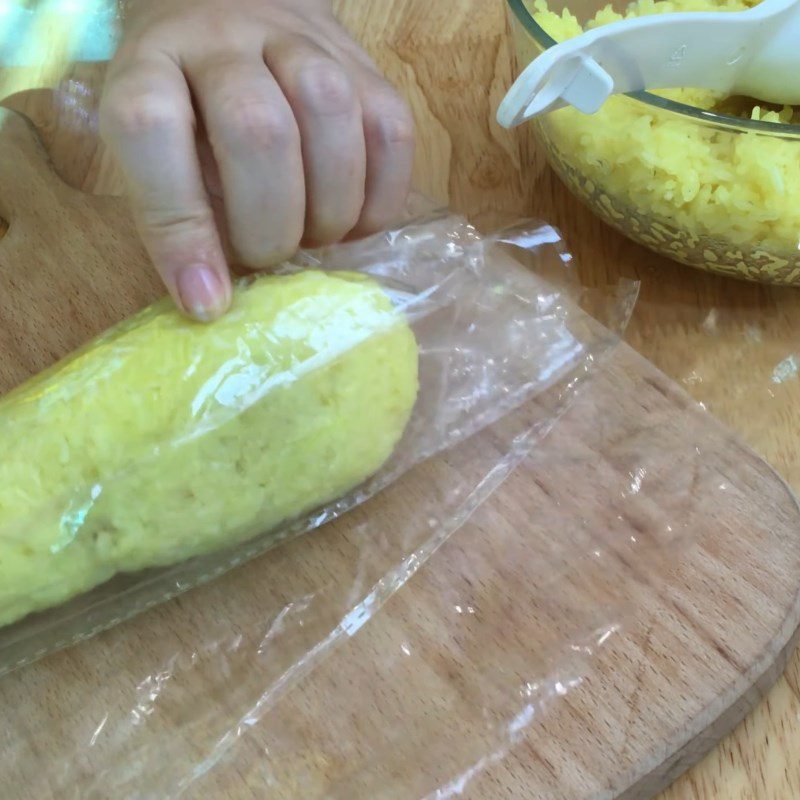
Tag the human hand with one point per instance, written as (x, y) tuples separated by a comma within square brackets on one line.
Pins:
[(246, 128)]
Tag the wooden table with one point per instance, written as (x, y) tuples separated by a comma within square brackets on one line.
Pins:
[(734, 346)]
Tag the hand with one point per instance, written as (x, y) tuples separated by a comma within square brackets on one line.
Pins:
[(246, 128)]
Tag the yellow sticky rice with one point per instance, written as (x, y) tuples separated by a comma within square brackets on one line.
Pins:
[(166, 439), (741, 189)]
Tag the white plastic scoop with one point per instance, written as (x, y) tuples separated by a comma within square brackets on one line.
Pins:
[(754, 53)]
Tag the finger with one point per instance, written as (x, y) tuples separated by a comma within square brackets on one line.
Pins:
[(389, 136), (147, 120), (328, 113), (256, 146)]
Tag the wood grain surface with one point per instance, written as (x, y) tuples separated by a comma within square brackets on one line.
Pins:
[(733, 346)]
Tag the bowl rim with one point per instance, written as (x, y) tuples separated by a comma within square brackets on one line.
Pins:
[(726, 121)]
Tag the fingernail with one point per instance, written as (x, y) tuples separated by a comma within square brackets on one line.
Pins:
[(202, 293)]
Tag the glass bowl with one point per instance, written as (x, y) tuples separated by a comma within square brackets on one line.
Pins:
[(706, 189)]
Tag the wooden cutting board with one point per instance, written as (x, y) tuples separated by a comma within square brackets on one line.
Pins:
[(484, 674)]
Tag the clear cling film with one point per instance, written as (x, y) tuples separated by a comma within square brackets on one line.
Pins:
[(165, 452), (456, 503)]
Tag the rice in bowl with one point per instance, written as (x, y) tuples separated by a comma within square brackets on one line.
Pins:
[(709, 195)]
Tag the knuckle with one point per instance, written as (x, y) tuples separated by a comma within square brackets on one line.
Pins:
[(171, 223), (255, 122), (128, 114), (325, 89), (388, 121)]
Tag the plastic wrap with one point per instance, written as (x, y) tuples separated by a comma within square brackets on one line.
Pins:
[(449, 629), (192, 448), (502, 349)]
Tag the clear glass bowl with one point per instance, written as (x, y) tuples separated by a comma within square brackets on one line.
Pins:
[(626, 163)]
